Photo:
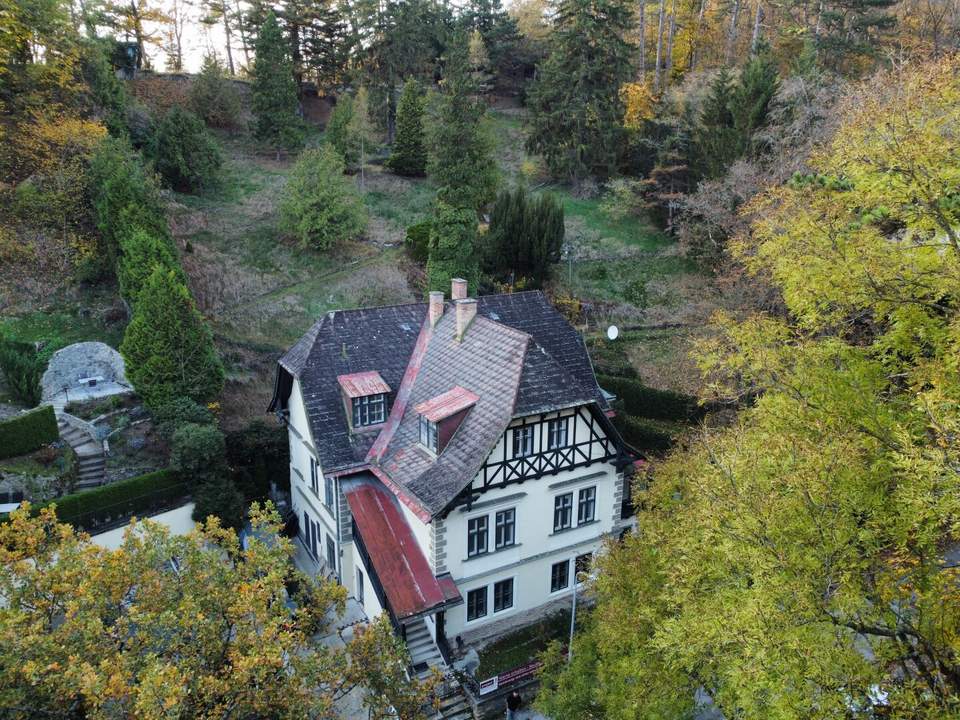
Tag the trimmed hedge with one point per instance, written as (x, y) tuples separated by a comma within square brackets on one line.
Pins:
[(642, 434), (28, 432), (136, 496), (642, 401)]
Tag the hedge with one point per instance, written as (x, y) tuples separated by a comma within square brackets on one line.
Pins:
[(642, 434), (138, 495), (642, 401), (28, 432)]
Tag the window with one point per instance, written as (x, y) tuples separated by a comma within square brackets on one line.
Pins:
[(581, 566), (587, 506), (557, 434), (476, 603), (559, 575), (504, 528), (360, 586), (331, 553), (314, 531), (314, 485), (523, 441), (477, 536), (503, 595), (328, 490), (369, 410), (562, 511), (428, 434), (306, 529)]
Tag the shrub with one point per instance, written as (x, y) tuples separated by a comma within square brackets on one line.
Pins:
[(624, 198), (213, 97), (642, 401), (642, 434), (22, 369), (409, 155), (453, 251), (526, 234), (183, 152), (197, 451), (139, 495), (28, 431), (140, 253), (218, 496), (417, 241), (337, 133), (321, 207), (256, 455), (176, 412)]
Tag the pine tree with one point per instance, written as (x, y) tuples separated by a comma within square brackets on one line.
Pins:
[(758, 84), (453, 247), (275, 103), (409, 156), (167, 347), (715, 137), (461, 159), (575, 104), (213, 97), (526, 235), (140, 253)]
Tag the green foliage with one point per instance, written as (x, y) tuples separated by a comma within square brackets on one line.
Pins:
[(257, 455), (320, 206), (183, 152), (275, 103), (22, 370), (643, 401), (642, 433), (176, 412), (141, 252), (576, 112), (197, 451), (213, 97), (525, 236), (461, 155), (409, 156), (337, 131), (759, 82), (28, 431), (167, 347), (140, 495), (417, 241), (107, 91), (453, 247), (218, 496)]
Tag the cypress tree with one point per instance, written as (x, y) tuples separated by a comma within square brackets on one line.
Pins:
[(141, 252), (167, 347), (275, 103), (453, 247), (409, 156)]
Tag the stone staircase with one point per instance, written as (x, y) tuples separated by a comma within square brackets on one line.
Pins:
[(90, 456), (425, 657)]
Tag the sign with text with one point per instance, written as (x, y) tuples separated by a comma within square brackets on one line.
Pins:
[(509, 677)]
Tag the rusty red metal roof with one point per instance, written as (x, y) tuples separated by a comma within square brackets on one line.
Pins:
[(447, 404), (450, 591), (363, 383), (408, 582)]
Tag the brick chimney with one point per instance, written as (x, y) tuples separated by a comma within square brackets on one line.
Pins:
[(458, 289), (436, 307), (466, 312)]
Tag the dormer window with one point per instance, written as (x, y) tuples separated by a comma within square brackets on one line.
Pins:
[(365, 398), (440, 417)]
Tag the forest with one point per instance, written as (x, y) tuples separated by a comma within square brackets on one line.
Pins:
[(764, 197)]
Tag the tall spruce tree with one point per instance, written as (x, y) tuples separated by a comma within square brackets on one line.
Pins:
[(453, 247), (759, 82), (715, 136), (576, 112), (409, 156), (461, 159), (275, 103), (167, 347), (140, 253)]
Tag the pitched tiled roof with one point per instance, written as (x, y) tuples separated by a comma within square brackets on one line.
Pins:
[(362, 384), (446, 404)]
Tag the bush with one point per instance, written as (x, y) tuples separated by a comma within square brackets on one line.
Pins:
[(321, 207), (197, 451), (642, 401), (417, 241), (22, 369), (526, 235), (176, 412), (137, 496), (218, 496), (213, 97), (256, 455), (642, 434), (183, 152), (28, 431), (140, 253)]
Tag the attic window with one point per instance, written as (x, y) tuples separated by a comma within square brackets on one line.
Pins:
[(440, 416), (428, 434), (366, 396)]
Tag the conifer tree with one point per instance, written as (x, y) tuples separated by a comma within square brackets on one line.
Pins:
[(461, 157), (167, 347), (525, 236), (275, 103), (758, 84), (715, 135), (337, 131), (140, 253), (184, 153), (453, 247), (409, 156), (575, 104)]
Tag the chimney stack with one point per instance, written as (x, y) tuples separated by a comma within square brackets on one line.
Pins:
[(458, 289), (466, 312), (436, 307)]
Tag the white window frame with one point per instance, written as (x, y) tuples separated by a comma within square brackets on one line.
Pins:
[(523, 441), (587, 497), (429, 435), (568, 509), (566, 585), (369, 410), (558, 429), (484, 534), (497, 545)]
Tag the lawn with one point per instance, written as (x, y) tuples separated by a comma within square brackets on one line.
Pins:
[(523, 645), (63, 326)]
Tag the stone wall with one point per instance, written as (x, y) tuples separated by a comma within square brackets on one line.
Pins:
[(80, 360)]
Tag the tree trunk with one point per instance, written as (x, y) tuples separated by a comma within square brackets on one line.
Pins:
[(670, 35), (242, 27), (694, 43), (229, 34), (757, 18), (732, 36), (656, 70), (137, 32), (643, 40)]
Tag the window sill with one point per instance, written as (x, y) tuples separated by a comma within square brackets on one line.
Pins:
[(573, 527), (492, 552)]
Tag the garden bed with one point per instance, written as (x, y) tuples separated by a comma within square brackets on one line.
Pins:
[(523, 645)]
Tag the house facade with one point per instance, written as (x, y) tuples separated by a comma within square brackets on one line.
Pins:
[(452, 463)]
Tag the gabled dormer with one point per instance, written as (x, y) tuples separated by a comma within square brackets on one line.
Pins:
[(365, 399), (440, 416)]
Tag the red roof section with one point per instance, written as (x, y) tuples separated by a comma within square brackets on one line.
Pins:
[(363, 383), (403, 571), (447, 404)]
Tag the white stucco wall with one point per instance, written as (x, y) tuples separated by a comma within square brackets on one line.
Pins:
[(371, 605), (178, 520)]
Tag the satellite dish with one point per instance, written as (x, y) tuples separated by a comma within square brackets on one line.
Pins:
[(613, 332)]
